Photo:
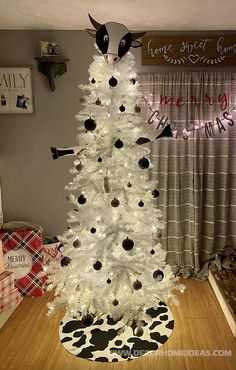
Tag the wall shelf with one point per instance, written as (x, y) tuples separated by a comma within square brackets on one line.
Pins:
[(51, 67)]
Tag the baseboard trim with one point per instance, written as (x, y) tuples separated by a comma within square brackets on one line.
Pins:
[(223, 304)]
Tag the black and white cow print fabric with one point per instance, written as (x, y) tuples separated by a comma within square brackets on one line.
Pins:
[(102, 340)]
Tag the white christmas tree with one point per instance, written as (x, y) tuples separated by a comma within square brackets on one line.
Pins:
[(113, 260)]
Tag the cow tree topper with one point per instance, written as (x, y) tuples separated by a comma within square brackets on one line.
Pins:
[(114, 39)]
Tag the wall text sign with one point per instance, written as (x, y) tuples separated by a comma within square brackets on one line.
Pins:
[(16, 95), (189, 50)]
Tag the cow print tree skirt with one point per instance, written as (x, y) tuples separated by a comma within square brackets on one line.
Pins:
[(100, 341)]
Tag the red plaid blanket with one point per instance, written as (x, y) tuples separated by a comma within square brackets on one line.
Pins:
[(6, 282), (9, 299)]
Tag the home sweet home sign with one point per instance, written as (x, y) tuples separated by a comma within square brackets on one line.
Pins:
[(202, 50)]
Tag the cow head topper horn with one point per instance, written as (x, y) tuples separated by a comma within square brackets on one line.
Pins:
[(113, 39)]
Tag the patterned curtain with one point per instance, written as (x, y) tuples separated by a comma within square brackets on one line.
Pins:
[(196, 170)]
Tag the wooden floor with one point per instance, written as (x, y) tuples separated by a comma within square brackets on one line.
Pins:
[(29, 340)]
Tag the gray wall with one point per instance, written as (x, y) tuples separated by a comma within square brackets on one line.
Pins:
[(32, 183)]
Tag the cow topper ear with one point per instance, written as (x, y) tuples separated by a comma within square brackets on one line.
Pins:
[(135, 36), (91, 32), (136, 44)]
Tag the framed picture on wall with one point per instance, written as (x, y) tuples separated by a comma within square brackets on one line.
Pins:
[(49, 48), (16, 92)]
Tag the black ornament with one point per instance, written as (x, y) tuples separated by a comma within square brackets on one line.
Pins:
[(159, 233), (155, 193), (113, 82), (122, 108), (87, 320), (115, 302), (115, 203), (79, 166), (137, 109), (65, 261), (137, 285), (76, 243), (97, 265), (90, 124), (119, 144), (143, 163), (82, 99), (81, 199), (98, 102), (133, 80), (141, 204), (93, 81), (158, 275), (129, 185), (99, 159), (128, 244), (152, 251), (108, 281), (93, 230)]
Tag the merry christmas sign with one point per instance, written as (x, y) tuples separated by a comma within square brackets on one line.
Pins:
[(23, 256), (190, 101)]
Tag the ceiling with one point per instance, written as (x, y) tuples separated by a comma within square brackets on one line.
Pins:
[(135, 14)]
